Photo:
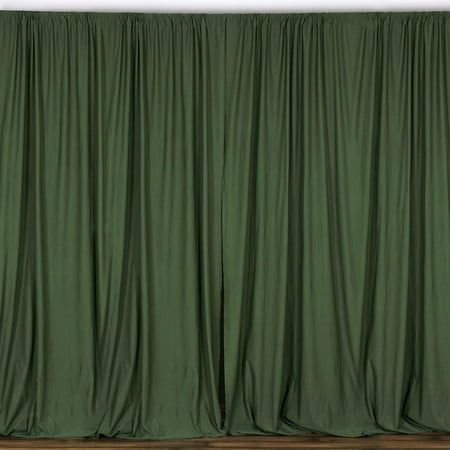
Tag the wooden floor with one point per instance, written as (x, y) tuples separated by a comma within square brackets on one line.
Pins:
[(424, 441)]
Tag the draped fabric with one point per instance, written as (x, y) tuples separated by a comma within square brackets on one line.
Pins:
[(260, 202), (111, 278)]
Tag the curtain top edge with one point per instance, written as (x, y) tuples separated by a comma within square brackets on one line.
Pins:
[(341, 16)]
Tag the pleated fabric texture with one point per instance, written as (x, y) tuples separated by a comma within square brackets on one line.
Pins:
[(337, 224), (292, 170), (111, 174)]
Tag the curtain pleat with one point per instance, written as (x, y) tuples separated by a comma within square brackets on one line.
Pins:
[(290, 170)]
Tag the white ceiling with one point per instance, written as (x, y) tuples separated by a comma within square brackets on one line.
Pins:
[(226, 5)]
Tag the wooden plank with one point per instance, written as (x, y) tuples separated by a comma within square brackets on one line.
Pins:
[(423, 441)]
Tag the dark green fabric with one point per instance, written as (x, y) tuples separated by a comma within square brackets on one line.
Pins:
[(111, 169), (292, 169), (337, 224)]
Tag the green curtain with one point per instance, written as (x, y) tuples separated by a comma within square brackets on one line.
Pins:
[(260, 202), (337, 224), (111, 175)]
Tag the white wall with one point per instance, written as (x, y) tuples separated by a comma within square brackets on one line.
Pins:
[(227, 5)]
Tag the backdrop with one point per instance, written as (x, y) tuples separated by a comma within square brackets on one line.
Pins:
[(260, 202)]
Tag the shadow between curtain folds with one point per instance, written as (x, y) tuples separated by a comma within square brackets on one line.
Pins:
[(294, 166)]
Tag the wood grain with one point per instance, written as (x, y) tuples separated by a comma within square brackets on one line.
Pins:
[(422, 441)]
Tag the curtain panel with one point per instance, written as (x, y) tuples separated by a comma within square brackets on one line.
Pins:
[(255, 202)]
